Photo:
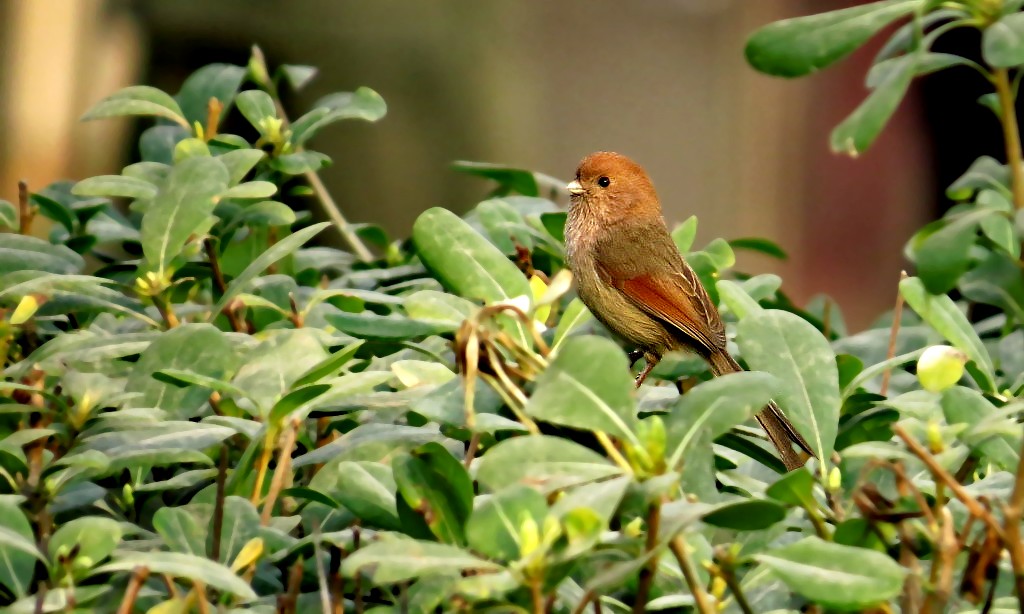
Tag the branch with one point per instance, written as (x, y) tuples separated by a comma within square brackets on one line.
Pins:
[(1011, 134), (700, 597), (897, 315), (284, 463), (25, 212), (651, 568)]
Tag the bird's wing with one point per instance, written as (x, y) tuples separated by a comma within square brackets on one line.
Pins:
[(665, 288)]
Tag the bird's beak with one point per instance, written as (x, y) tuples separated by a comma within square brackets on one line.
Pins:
[(575, 189)]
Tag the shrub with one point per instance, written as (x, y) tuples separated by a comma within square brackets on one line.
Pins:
[(221, 416)]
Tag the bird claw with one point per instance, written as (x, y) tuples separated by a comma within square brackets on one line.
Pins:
[(635, 355)]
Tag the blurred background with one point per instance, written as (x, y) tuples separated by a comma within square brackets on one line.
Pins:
[(535, 84)]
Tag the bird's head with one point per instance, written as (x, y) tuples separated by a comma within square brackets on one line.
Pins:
[(613, 187)]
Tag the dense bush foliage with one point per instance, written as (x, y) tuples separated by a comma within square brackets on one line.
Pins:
[(221, 416)]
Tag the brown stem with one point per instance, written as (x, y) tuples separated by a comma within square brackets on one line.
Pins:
[(474, 444), (943, 561), (1011, 522), (294, 585), (737, 591), (700, 596), (358, 581), (200, 588), (213, 110), (139, 576), (166, 311), (25, 211), (582, 605), (897, 315), (649, 570), (335, 580), (218, 280), (975, 508), (218, 505), (283, 469), (537, 596), (295, 316), (1011, 134)]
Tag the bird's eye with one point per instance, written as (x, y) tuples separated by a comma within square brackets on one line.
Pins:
[(604, 182)]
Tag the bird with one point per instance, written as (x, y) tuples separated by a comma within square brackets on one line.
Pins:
[(633, 279)]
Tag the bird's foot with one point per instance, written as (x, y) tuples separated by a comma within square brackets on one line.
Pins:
[(634, 356), (647, 369)]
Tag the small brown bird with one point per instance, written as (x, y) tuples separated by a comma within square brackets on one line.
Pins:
[(634, 280)]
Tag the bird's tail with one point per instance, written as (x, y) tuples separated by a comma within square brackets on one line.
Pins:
[(780, 430)]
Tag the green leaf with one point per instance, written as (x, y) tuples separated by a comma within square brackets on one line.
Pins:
[(256, 105), (364, 104), (941, 250), (94, 538), (510, 179), (369, 325), (505, 225), (857, 132), (588, 386), (241, 523), (239, 162), (794, 488), (1002, 43), (115, 186), (746, 515), (466, 263), (968, 407), (393, 561), (199, 348), (759, 245), (181, 207), (8, 215), (157, 143), (56, 211), (942, 314), (250, 189), (297, 75), (996, 280), (494, 527), (18, 553), (178, 565), (684, 234), (279, 250), (24, 253), (713, 408), (367, 489), (793, 350), (330, 365), (294, 400), (800, 46), (266, 213), (300, 162), (985, 172), (181, 530), (545, 462), (435, 485), (220, 81), (999, 229), (575, 316), (138, 100), (836, 576), (736, 298)]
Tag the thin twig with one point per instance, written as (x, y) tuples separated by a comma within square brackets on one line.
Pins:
[(1011, 134), (975, 508), (200, 588), (321, 575), (218, 505), (326, 201), (700, 596), (897, 315), (943, 561), (139, 576), (537, 595), (649, 570), (218, 280), (737, 591), (283, 470), (1012, 537), (582, 605), (25, 212)]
